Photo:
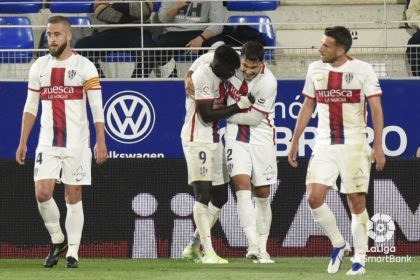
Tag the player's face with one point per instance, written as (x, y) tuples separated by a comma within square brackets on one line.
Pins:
[(250, 69), (329, 50), (59, 37)]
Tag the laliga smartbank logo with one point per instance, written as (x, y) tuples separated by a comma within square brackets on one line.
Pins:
[(381, 228)]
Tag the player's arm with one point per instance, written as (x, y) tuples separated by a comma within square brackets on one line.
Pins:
[(30, 112), (201, 60), (252, 118), (95, 102), (93, 91), (302, 121), (378, 125), (265, 97), (210, 114)]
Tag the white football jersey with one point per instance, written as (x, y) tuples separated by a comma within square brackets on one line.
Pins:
[(62, 87), (341, 93), (264, 88), (207, 87)]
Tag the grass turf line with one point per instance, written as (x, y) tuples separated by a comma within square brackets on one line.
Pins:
[(239, 268)]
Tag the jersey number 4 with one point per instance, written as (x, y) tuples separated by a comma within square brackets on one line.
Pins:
[(39, 158)]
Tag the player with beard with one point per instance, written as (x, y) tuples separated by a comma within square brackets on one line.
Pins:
[(340, 86), (63, 81)]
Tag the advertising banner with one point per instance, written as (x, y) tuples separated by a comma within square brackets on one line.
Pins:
[(144, 119)]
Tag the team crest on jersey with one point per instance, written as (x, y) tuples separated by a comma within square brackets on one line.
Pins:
[(348, 77), (71, 74)]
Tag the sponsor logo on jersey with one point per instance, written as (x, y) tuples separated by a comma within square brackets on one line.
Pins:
[(129, 117), (61, 92), (338, 95)]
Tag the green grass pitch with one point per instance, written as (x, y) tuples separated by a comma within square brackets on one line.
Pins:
[(237, 269)]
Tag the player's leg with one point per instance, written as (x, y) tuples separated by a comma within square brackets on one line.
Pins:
[(74, 223), (359, 230), (46, 171), (355, 173), (239, 164), (321, 176), (264, 174), (263, 221), (218, 197), (76, 172)]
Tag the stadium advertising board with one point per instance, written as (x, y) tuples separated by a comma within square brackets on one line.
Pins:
[(144, 119), (143, 209)]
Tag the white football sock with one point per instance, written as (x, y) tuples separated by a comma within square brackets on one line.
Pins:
[(263, 221), (213, 216), (246, 213), (74, 228), (51, 216), (325, 218), (202, 221), (359, 230)]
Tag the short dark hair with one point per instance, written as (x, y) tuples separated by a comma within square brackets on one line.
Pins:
[(225, 61), (59, 19), (253, 51), (341, 35)]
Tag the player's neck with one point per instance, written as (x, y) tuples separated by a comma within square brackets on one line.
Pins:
[(340, 61), (66, 54)]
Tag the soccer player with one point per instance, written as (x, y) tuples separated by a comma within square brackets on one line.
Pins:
[(340, 86), (62, 80), (203, 150), (250, 147), (251, 150)]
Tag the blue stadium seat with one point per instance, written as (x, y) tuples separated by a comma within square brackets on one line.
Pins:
[(71, 7), (251, 5), (156, 6), (262, 24), (20, 8), (16, 38)]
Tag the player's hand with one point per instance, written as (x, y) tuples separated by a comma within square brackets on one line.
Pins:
[(378, 157), (244, 102), (292, 155), (21, 154), (251, 98), (189, 86), (100, 152)]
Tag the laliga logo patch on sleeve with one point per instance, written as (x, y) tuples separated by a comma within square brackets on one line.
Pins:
[(205, 91), (261, 101)]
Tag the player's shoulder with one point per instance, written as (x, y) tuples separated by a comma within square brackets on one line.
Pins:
[(41, 61), (267, 77), (203, 72), (83, 60)]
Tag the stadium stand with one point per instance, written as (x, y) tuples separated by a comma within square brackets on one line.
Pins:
[(21, 8), (16, 38), (251, 5), (57, 6)]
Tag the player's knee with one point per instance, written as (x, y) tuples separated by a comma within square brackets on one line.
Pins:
[(42, 195), (314, 201), (202, 192), (219, 195)]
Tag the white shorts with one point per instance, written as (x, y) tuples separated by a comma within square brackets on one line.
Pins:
[(257, 161), (205, 162), (72, 166), (351, 161)]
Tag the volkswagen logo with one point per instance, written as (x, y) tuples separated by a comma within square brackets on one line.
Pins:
[(129, 117)]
